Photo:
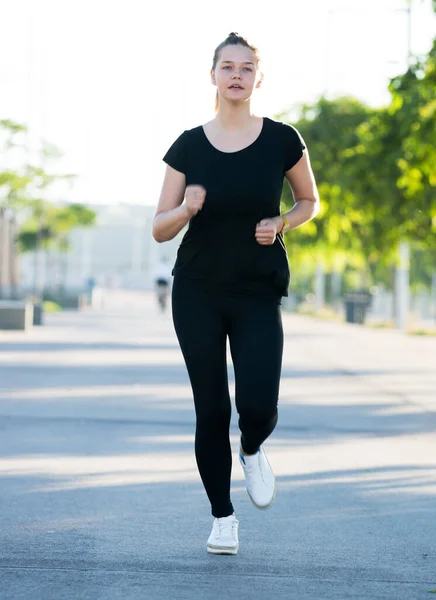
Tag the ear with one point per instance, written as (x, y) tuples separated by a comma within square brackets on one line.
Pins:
[(212, 77), (259, 81)]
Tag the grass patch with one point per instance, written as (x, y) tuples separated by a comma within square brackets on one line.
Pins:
[(327, 314), (381, 325), (50, 307), (431, 332)]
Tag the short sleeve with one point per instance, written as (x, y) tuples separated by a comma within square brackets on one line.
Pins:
[(293, 147), (176, 156)]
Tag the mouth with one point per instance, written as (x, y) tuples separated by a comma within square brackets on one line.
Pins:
[(236, 87)]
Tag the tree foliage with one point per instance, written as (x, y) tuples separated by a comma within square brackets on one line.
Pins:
[(375, 170), (44, 224)]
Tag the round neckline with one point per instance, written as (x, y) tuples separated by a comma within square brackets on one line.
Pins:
[(234, 151)]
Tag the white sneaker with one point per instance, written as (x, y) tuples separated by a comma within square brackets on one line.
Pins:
[(224, 536), (259, 478)]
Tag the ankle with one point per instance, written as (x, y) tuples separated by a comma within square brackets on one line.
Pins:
[(226, 517), (242, 451)]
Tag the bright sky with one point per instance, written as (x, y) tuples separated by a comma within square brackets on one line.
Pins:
[(114, 82)]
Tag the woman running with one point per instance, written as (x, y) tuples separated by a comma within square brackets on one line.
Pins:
[(225, 179)]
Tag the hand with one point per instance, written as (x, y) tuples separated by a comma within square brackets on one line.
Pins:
[(266, 232), (194, 199)]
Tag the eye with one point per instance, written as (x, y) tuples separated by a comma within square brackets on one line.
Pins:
[(248, 69), (226, 67)]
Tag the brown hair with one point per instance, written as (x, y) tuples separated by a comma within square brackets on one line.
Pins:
[(233, 39)]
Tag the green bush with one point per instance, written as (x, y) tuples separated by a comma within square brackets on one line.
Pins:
[(51, 307)]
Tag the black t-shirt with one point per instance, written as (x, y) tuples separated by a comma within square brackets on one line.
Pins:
[(242, 188)]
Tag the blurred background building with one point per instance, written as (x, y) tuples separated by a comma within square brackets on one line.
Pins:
[(118, 252)]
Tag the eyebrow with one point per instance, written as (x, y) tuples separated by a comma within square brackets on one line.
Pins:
[(232, 62)]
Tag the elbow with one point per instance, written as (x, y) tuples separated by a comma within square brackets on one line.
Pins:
[(157, 235), (159, 238), (311, 207), (315, 205), (156, 231)]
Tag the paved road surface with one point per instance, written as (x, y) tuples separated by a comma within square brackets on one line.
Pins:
[(100, 496)]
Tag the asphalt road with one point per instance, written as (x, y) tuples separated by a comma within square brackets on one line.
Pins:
[(100, 496)]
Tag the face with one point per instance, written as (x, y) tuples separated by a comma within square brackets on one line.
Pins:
[(236, 74)]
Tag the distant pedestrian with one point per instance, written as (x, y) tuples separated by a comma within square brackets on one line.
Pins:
[(162, 282), (90, 286), (225, 178)]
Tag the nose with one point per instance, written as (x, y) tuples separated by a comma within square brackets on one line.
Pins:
[(237, 74)]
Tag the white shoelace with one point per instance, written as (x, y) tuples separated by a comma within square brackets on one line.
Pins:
[(226, 528)]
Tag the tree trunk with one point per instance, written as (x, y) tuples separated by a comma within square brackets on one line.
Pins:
[(433, 295), (2, 249), (336, 289), (319, 287), (13, 267), (37, 264), (402, 286)]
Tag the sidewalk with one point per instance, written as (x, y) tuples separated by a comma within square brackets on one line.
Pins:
[(100, 493)]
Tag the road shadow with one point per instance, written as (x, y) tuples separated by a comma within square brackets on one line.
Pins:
[(350, 525), (29, 346)]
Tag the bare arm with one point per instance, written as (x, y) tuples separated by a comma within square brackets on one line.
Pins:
[(306, 198), (172, 214)]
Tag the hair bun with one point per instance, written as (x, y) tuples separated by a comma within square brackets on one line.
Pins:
[(233, 34)]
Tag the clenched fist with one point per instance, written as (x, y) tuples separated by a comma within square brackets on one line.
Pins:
[(266, 232), (194, 199)]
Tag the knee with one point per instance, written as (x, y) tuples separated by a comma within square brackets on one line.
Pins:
[(258, 416), (211, 416)]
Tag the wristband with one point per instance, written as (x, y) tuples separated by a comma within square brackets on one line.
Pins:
[(286, 224)]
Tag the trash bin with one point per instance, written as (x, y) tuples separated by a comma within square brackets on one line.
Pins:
[(356, 306), (37, 313)]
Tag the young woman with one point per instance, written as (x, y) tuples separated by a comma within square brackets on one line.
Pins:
[(225, 178)]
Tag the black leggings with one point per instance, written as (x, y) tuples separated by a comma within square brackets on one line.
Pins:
[(203, 320)]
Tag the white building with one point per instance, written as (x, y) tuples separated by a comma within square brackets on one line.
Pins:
[(118, 252)]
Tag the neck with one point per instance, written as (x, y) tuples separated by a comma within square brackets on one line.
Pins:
[(233, 117)]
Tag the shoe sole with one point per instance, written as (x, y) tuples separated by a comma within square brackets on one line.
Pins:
[(218, 550), (266, 506)]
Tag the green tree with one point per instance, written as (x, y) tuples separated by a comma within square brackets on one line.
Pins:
[(45, 225), (329, 129), (376, 177), (49, 228), (414, 109), (13, 182)]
